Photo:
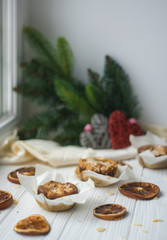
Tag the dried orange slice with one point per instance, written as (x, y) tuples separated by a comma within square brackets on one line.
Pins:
[(32, 225), (6, 199), (139, 190), (28, 171), (110, 212)]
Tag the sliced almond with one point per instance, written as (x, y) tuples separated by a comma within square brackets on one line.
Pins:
[(32, 225), (6, 199), (122, 238), (137, 224), (110, 194), (110, 212), (156, 198), (101, 229), (157, 220), (15, 201), (144, 231)]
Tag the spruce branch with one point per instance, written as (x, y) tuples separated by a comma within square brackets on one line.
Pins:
[(43, 48), (43, 123), (72, 98), (71, 132), (38, 84), (38, 70), (94, 77), (121, 89), (96, 98), (64, 56)]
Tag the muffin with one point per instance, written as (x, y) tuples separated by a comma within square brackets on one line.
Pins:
[(157, 150), (53, 189), (95, 168)]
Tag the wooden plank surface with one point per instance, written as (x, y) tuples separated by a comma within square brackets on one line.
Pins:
[(79, 222)]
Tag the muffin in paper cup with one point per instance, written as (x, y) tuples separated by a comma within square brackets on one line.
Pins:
[(44, 174), (147, 158), (101, 180)]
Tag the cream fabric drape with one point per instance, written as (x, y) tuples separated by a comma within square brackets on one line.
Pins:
[(14, 151)]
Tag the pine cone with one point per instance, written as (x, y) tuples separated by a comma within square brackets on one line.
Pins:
[(98, 138)]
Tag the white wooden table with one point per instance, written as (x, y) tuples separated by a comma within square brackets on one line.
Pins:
[(79, 222)]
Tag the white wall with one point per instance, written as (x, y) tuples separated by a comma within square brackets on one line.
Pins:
[(131, 31)]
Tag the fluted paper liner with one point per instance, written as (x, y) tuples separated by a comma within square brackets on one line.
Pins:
[(100, 180), (147, 158), (44, 174)]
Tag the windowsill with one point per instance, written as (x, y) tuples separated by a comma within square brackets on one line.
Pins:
[(7, 128), (10, 101)]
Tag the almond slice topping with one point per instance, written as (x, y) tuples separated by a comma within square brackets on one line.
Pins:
[(110, 194), (110, 212), (139, 190), (137, 224), (101, 229), (144, 231), (15, 201), (6, 199), (157, 220), (32, 225), (28, 171)]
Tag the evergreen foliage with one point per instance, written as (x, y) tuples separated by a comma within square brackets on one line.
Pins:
[(43, 48), (96, 98), (48, 80), (64, 56), (72, 98), (116, 83)]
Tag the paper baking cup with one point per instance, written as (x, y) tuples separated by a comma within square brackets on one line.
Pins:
[(45, 174)]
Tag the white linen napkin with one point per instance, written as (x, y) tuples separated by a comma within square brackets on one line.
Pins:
[(14, 151)]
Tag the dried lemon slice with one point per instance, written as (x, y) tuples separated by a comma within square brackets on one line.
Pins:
[(28, 171), (139, 190), (6, 199), (110, 212), (32, 225)]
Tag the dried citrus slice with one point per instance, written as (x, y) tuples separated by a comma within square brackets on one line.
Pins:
[(139, 190), (6, 199), (32, 225), (110, 212), (28, 171)]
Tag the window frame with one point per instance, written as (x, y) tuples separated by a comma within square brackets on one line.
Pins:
[(10, 106)]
